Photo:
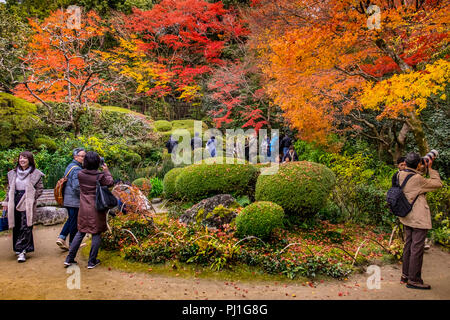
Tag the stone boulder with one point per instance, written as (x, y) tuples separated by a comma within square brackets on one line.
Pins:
[(47, 199), (50, 215), (213, 212)]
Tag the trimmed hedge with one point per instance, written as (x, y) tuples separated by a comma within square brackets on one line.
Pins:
[(259, 219), (169, 183), (301, 188), (163, 126), (200, 181)]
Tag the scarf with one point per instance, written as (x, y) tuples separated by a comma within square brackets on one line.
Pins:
[(22, 178)]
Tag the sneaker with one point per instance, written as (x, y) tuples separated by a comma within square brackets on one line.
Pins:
[(68, 264), (92, 266), (21, 257), (62, 244), (418, 285), (427, 245)]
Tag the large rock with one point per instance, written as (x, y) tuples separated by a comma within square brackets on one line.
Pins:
[(47, 199), (213, 212), (50, 215)]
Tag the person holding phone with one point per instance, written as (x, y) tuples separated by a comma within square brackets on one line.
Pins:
[(90, 220)]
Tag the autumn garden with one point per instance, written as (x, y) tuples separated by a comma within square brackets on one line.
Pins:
[(353, 92)]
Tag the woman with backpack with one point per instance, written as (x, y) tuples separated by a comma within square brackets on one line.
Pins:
[(25, 186)]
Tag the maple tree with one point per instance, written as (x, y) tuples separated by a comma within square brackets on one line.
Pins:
[(236, 97), (63, 64), (322, 61), (183, 42)]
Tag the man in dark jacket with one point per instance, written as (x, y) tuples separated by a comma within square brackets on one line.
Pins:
[(196, 142), (171, 145), (71, 198), (285, 144), (291, 155)]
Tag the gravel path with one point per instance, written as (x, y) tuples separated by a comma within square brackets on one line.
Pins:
[(43, 276)]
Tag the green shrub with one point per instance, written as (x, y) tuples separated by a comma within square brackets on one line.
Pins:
[(157, 187), (162, 125), (301, 188), (169, 183), (200, 181), (47, 142), (259, 219), (18, 121)]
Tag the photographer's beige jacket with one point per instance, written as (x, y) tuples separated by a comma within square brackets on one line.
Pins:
[(420, 216)]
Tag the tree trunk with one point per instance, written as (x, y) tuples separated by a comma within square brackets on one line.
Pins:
[(416, 127), (400, 142)]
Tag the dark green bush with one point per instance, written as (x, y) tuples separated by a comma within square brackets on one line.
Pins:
[(259, 219), (301, 188), (18, 121), (169, 183), (200, 181)]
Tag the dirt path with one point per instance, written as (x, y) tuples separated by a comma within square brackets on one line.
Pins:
[(43, 277)]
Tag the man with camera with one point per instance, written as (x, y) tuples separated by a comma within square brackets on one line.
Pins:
[(418, 221)]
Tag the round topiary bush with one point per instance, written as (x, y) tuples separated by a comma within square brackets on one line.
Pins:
[(162, 125), (200, 181), (301, 188), (259, 219), (169, 183)]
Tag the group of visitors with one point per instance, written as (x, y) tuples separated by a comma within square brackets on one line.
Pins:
[(25, 186), (286, 149)]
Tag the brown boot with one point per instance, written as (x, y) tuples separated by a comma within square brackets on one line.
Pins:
[(418, 285)]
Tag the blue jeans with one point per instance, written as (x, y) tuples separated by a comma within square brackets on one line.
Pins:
[(71, 225)]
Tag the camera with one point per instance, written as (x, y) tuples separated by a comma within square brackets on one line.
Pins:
[(102, 161), (433, 154)]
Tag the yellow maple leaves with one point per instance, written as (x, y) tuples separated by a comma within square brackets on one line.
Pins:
[(403, 93)]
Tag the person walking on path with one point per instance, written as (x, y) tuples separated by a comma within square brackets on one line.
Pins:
[(71, 198), (25, 186), (89, 219), (171, 145), (211, 146), (196, 141), (418, 221)]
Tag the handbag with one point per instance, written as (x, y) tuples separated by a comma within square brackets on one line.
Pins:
[(104, 199), (4, 221)]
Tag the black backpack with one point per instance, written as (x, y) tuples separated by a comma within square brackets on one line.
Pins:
[(104, 199), (396, 199)]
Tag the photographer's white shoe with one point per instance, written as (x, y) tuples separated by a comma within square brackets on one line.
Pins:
[(21, 257)]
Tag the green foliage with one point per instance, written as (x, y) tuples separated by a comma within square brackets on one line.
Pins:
[(259, 219), (163, 125), (45, 142), (439, 203), (18, 121), (157, 187), (243, 201), (301, 188), (170, 190), (200, 181)]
